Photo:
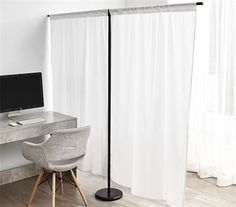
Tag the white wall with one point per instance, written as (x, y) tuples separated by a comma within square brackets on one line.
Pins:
[(1, 19), (184, 1), (24, 28), (137, 3), (23, 45)]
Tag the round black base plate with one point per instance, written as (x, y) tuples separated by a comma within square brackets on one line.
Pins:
[(109, 195)]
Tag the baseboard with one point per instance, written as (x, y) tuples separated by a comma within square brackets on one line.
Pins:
[(18, 173)]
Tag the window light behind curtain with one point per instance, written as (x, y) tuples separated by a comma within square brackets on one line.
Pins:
[(212, 133), (152, 53)]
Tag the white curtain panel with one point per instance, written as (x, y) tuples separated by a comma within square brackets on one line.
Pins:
[(212, 132), (79, 79), (152, 57)]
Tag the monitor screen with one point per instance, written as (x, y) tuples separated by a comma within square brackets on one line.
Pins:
[(21, 91)]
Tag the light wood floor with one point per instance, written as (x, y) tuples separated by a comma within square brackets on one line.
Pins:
[(199, 193), (204, 193)]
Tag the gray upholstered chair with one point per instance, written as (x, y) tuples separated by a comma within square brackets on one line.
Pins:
[(59, 154)]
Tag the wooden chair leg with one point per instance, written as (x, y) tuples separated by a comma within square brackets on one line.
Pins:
[(53, 189), (35, 187), (61, 183), (78, 187)]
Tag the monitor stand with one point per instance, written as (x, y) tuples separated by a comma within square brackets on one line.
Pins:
[(16, 117), (13, 114)]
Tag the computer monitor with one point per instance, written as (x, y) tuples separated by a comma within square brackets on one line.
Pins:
[(21, 91)]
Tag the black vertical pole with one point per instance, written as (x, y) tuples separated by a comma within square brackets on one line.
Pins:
[(109, 104), (109, 194)]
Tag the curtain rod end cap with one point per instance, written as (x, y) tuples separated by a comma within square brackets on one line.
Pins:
[(199, 3)]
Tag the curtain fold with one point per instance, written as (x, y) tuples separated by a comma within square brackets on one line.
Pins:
[(152, 57), (79, 80), (212, 132)]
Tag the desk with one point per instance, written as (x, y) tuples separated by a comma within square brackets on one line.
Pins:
[(53, 121)]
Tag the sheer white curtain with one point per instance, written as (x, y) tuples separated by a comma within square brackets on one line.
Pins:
[(152, 56), (212, 134), (79, 79)]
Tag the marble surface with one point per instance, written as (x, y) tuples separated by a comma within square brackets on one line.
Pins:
[(53, 121), (19, 173)]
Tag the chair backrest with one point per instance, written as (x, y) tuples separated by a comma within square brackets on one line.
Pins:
[(66, 144)]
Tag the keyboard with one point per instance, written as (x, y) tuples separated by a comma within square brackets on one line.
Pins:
[(31, 121)]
